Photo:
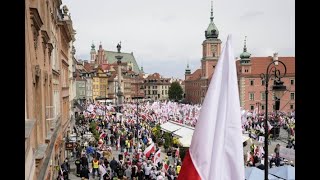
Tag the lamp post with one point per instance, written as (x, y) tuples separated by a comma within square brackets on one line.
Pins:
[(105, 102), (273, 73)]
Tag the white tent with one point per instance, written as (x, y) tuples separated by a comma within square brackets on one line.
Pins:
[(170, 127), (185, 132)]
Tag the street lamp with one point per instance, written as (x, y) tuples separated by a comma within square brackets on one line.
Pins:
[(273, 73), (105, 102)]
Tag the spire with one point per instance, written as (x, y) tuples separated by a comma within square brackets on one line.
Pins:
[(211, 18), (245, 55), (212, 30), (245, 44), (100, 46), (92, 46), (188, 70)]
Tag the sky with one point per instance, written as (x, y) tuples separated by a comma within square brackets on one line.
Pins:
[(165, 35)]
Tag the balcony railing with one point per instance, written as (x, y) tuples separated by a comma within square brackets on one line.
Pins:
[(50, 113)]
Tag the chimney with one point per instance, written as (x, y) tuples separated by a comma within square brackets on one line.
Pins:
[(275, 58)]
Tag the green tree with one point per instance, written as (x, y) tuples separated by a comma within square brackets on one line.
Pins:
[(175, 91)]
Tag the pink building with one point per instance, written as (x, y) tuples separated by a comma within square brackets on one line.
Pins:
[(252, 88)]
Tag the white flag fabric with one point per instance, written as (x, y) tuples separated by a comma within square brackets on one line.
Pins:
[(216, 148)]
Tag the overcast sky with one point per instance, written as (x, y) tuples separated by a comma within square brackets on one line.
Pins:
[(166, 34)]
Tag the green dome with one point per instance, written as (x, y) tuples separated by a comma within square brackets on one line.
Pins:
[(212, 31), (245, 55)]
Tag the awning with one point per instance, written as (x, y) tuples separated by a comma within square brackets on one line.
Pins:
[(185, 135), (170, 127)]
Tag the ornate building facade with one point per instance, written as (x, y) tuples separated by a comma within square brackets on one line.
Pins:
[(48, 35)]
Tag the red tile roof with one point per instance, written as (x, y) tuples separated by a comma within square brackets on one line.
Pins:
[(195, 75), (259, 65), (105, 67), (154, 76), (88, 67)]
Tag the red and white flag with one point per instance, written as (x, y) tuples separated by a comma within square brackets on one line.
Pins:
[(216, 150), (156, 157), (150, 149)]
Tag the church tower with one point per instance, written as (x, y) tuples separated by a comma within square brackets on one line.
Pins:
[(245, 60), (211, 48), (187, 72), (92, 54)]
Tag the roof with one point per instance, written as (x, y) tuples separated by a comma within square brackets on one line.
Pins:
[(88, 67), (105, 67), (195, 75), (154, 76), (127, 57), (259, 64)]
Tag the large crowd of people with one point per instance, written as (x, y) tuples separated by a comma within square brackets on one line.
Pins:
[(103, 130)]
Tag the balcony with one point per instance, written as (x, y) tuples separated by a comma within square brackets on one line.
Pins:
[(49, 113)]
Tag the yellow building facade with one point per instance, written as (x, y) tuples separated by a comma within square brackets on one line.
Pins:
[(99, 84)]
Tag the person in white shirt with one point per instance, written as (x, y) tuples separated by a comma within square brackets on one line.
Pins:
[(147, 170)]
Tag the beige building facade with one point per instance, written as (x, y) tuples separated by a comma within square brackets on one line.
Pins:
[(48, 34)]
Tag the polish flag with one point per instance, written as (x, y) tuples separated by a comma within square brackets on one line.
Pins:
[(150, 149), (165, 166), (216, 150), (156, 157)]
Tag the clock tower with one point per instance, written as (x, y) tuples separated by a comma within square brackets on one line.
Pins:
[(211, 48)]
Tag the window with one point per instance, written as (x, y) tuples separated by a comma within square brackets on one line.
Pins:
[(262, 82), (292, 81), (148, 91), (274, 107), (273, 96), (251, 96), (291, 106), (162, 92), (251, 82), (262, 107), (251, 107), (263, 96), (292, 96), (166, 92)]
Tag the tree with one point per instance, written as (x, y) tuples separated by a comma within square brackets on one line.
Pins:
[(175, 91)]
